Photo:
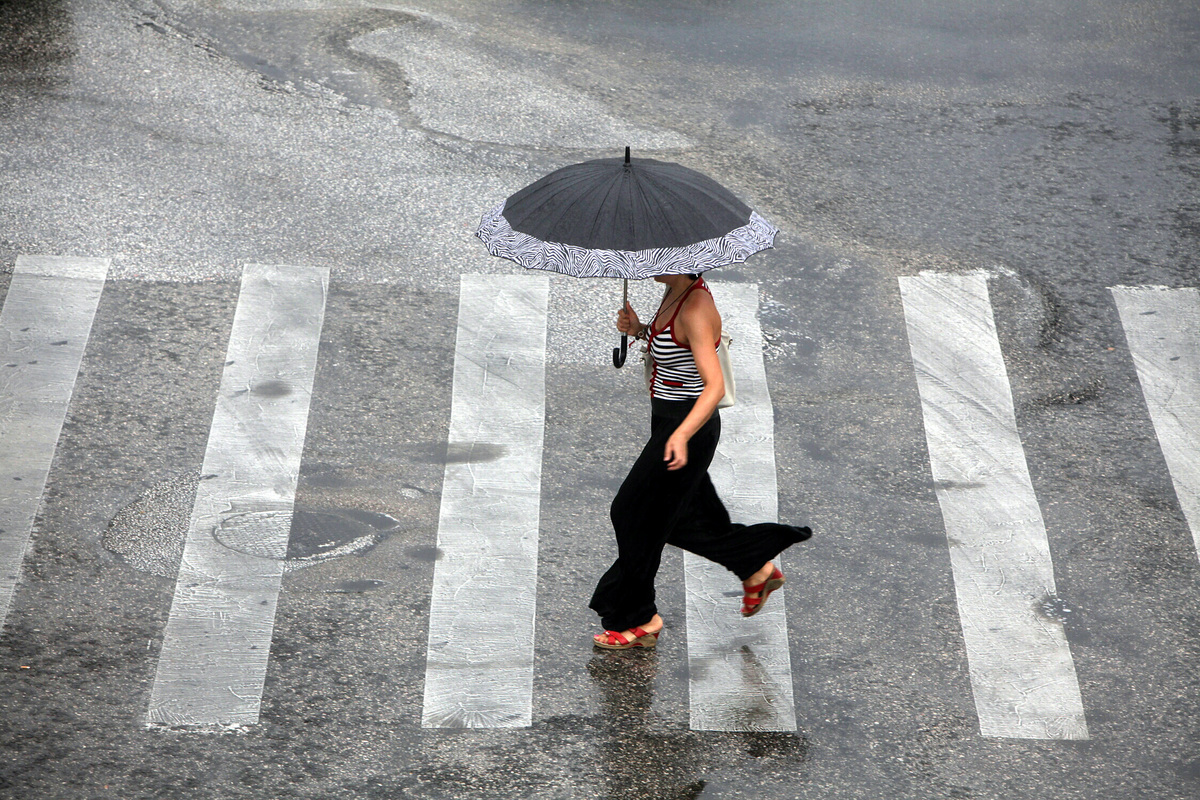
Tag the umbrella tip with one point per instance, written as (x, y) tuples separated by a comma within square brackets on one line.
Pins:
[(626, 154)]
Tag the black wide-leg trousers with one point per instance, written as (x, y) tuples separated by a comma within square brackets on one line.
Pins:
[(656, 507)]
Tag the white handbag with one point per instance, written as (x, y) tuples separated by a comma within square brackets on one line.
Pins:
[(726, 370)]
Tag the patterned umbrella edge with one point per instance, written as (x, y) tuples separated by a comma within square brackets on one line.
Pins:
[(732, 248)]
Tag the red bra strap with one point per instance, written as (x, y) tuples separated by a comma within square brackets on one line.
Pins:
[(682, 300)]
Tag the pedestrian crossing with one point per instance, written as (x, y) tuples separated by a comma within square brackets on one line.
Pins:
[(1162, 327), (211, 668), (44, 328), (479, 670), (215, 646), (1022, 673), (739, 670)]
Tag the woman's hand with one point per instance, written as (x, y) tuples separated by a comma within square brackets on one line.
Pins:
[(627, 321), (676, 454)]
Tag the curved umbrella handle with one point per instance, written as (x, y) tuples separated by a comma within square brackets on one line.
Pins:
[(620, 352)]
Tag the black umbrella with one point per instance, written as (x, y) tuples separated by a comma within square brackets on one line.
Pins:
[(632, 218)]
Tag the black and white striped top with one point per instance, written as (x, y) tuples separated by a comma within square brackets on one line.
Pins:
[(674, 375)]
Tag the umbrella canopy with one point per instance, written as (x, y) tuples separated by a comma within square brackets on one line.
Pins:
[(632, 218)]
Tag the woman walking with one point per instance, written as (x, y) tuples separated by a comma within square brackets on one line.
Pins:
[(668, 498)]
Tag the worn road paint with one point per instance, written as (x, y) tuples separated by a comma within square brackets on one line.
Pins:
[(1022, 674), (44, 328), (740, 673), (1162, 327), (479, 671), (215, 646)]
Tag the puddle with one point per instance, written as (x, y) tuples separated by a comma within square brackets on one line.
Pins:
[(816, 452), (472, 453), (950, 485), (324, 478), (928, 539), (1054, 608), (271, 389), (771, 744), (424, 553), (356, 587), (1077, 396)]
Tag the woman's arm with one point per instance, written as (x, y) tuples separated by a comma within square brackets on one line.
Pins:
[(700, 323)]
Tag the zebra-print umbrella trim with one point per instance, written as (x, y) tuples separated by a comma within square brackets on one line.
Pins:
[(581, 262)]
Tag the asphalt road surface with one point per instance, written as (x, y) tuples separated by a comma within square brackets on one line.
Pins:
[(962, 190)]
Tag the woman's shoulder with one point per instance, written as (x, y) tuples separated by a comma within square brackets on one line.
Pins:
[(700, 311), (700, 302)]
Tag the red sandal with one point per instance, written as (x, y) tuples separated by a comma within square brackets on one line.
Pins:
[(613, 640), (752, 605)]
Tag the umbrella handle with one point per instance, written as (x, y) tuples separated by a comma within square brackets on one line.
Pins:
[(619, 352)]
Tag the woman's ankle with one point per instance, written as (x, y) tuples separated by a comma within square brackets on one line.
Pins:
[(763, 573)]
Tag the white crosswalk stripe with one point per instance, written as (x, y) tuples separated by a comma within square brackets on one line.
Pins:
[(1022, 673), (481, 618), (44, 328), (1162, 327), (214, 654), (740, 674)]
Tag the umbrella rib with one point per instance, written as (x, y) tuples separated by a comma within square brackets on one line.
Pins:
[(699, 186), (613, 186), (682, 232), (556, 210)]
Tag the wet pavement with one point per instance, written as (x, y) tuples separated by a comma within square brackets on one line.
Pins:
[(1054, 145)]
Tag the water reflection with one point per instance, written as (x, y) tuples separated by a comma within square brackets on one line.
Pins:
[(761, 696), (639, 761)]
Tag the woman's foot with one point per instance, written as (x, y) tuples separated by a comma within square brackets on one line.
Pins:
[(640, 636), (758, 588)]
